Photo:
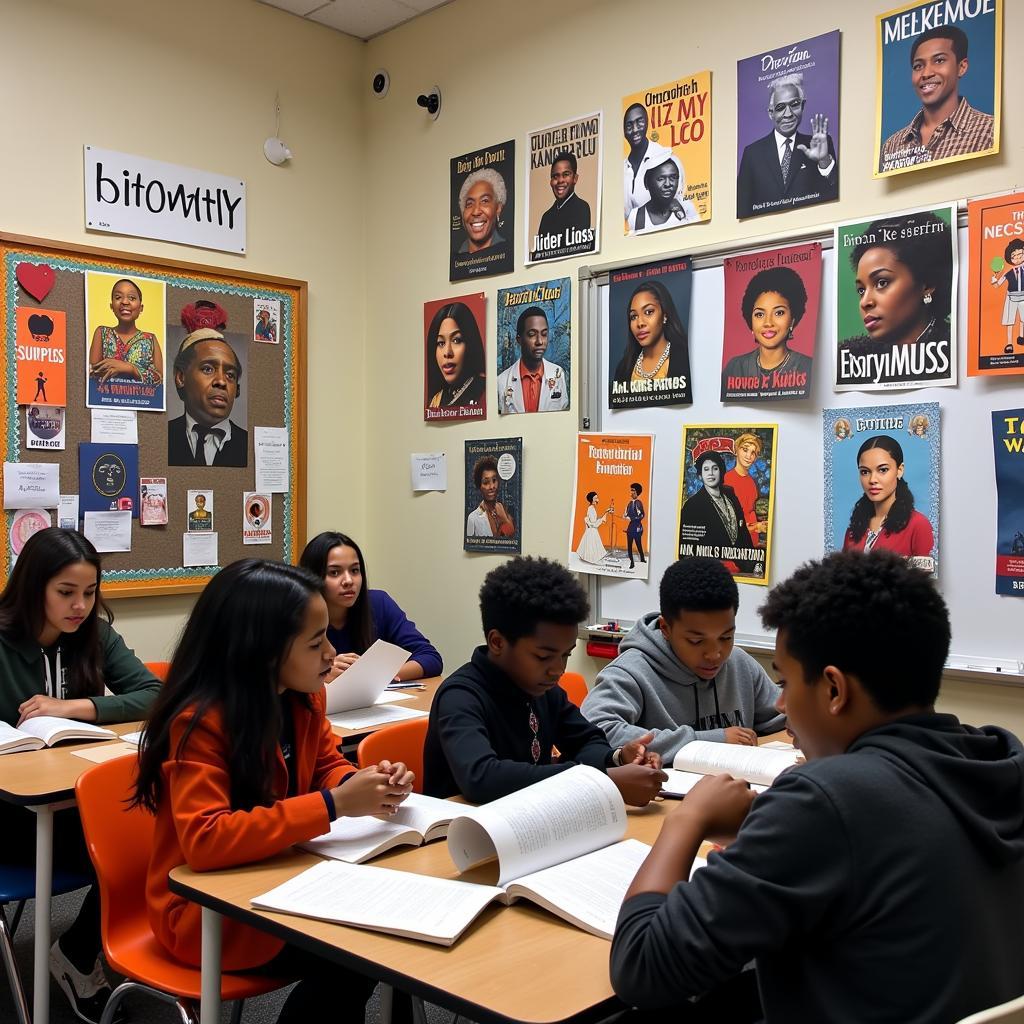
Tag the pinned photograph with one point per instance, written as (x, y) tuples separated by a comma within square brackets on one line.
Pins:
[(257, 510), (483, 212), (266, 321), (153, 501), (44, 427), (200, 511)]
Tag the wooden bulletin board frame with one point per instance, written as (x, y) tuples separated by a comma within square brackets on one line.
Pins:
[(153, 567)]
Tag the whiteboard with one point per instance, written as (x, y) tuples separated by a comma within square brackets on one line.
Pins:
[(988, 629)]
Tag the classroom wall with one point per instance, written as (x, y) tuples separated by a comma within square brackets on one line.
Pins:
[(505, 68), (193, 83)]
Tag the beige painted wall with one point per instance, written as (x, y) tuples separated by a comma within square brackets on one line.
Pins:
[(193, 83)]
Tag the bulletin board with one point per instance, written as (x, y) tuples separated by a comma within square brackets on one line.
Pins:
[(272, 393)]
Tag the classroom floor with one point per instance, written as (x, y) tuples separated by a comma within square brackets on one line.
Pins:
[(140, 1008)]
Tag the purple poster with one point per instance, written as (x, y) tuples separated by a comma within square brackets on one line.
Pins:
[(788, 127)]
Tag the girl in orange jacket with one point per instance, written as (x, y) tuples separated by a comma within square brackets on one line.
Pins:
[(238, 762)]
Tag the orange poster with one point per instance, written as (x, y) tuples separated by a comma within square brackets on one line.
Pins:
[(41, 354), (610, 527)]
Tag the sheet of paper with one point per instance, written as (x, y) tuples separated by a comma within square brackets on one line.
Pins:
[(391, 696), (31, 485), (108, 753), (429, 471), (271, 447), (368, 718), (115, 426), (109, 531), (67, 512), (132, 737), (755, 764), (199, 549)]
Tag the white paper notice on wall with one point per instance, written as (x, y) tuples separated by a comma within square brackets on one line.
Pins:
[(271, 447), (109, 531), (199, 549), (429, 471), (133, 195), (115, 426), (31, 484), (67, 512)]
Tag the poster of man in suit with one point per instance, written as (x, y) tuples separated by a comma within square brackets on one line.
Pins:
[(788, 124)]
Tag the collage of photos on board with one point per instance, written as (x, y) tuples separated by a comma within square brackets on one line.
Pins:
[(494, 496)]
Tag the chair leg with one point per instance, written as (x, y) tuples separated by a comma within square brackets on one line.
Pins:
[(419, 1011), (11, 966), (236, 1011), (16, 919), (186, 1011), (385, 994), (115, 998)]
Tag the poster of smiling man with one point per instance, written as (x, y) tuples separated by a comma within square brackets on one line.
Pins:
[(483, 212), (939, 83)]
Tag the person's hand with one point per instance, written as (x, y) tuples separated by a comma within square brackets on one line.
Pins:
[(818, 149), (639, 784), (340, 664), (719, 804), (40, 704), (744, 737), (636, 752), (371, 790), (107, 368), (398, 772)]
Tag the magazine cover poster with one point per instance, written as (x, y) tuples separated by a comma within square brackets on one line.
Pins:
[(882, 480), (727, 496), (771, 321), (125, 342), (41, 351), (494, 496), (610, 521), (939, 84), (648, 335), (666, 166), (1008, 440), (563, 190), (483, 212), (533, 323), (787, 128), (108, 478), (995, 295), (896, 288), (454, 366)]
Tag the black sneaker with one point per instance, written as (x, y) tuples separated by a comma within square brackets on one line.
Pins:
[(87, 993)]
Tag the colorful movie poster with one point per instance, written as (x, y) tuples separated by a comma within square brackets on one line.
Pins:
[(41, 354), (666, 167), (483, 212), (125, 321), (454, 366), (494, 496), (939, 83), (648, 336), (771, 321), (1008, 443), (563, 190), (882, 480), (108, 478), (788, 127), (727, 496), (610, 525), (266, 321), (534, 353), (896, 280), (995, 295)]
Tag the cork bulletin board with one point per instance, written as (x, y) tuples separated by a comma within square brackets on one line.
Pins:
[(271, 393)]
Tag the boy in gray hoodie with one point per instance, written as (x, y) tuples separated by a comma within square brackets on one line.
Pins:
[(677, 675)]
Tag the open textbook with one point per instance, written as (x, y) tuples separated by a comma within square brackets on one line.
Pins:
[(45, 731), (757, 765)]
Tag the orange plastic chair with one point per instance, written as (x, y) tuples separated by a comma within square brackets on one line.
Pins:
[(575, 687), (159, 669), (119, 840), (402, 741)]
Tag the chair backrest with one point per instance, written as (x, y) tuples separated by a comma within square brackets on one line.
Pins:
[(402, 741), (575, 687), (159, 669), (1009, 1013)]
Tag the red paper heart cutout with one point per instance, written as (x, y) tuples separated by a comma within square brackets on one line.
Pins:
[(36, 279)]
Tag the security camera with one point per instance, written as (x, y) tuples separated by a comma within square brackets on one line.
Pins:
[(380, 83)]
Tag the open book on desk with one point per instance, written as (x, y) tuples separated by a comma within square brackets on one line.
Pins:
[(757, 765), (45, 731)]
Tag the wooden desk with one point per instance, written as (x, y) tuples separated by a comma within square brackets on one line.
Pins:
[(421, 701), (513, 964), (44, 782)]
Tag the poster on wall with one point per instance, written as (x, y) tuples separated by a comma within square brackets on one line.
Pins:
[(534, 351), (108, 478), (494, 496), (483, 212), (41, 355), (44, 427), (787, 127), (609, 522), (771, 321), (454, 367), (666, 168), (882, 480), (939, 84), (648, 339), (727, 496), (995, 294), (563, 190), (1008, 443), (896, 301)]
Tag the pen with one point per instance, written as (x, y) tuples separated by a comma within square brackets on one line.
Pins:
[(667, 794), (406, 686)]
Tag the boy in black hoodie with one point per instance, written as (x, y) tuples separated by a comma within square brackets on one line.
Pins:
[(883, 880)]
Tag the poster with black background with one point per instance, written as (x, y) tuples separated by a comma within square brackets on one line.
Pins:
[(483, 212)]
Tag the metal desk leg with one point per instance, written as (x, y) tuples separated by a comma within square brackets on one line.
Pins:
[(209, 1006), (44, 888)]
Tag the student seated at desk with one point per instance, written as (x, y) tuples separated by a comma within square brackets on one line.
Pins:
[(56, 656), (359, 616), (677, 675), (238, 763), (494, 721), (881, 881)]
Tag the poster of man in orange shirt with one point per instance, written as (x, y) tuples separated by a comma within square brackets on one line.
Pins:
[(41, 352)]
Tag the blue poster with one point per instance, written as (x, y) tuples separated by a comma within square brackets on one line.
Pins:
[(108, 478), (1008, 440)]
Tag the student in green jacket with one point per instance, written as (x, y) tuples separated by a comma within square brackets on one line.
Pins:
[(57, 655)]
